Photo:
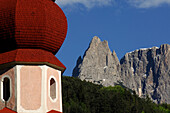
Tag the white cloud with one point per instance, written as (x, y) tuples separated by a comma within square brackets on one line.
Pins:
[(148, 3), (86, 3), (93, 3)]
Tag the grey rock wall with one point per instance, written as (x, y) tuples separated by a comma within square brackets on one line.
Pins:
[(147, 71), (99, 65)]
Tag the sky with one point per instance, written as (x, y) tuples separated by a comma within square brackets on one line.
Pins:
[(127, 25)]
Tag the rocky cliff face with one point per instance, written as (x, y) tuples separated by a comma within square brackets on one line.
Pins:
[(147, 71), (99, 65)]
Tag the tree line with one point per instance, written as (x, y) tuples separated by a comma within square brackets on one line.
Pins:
[(85, 97)]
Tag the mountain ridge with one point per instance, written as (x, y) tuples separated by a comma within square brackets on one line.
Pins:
[(146, 70)]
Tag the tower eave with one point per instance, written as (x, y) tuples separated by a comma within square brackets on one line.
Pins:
[(30, 57)]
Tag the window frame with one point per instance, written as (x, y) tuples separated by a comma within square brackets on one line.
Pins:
[(1, 86), (49, 95)]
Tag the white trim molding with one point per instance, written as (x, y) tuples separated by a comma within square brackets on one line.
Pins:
[(60, 91)]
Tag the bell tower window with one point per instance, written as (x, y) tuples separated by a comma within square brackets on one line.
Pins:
[(53, 91), (5, 89), (52, 88)]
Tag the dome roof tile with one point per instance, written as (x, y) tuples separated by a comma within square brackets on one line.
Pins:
[(31, 24)]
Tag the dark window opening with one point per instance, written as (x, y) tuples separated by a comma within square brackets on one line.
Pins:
[(6, 89), (52, 88)]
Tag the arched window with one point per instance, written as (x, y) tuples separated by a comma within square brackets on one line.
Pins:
[(5, 94), (52, 88)]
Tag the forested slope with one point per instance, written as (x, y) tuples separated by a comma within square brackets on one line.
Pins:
[(85, 97)]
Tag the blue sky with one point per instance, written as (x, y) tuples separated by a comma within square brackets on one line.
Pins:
[(126, 24)]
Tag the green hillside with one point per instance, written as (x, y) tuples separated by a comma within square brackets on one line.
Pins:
[(85, 97)]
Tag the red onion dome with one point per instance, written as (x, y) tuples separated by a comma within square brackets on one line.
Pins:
[(31, 24)]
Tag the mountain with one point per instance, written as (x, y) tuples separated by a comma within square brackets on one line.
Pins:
[(146, 71), (99, 65)]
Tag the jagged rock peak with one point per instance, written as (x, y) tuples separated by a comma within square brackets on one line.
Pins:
[(98, 63), (96, 41)]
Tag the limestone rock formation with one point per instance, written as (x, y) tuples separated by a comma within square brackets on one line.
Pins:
[(147, 71), (99, 65)]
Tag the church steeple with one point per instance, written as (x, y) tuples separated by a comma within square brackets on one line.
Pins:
[(31, 33)]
